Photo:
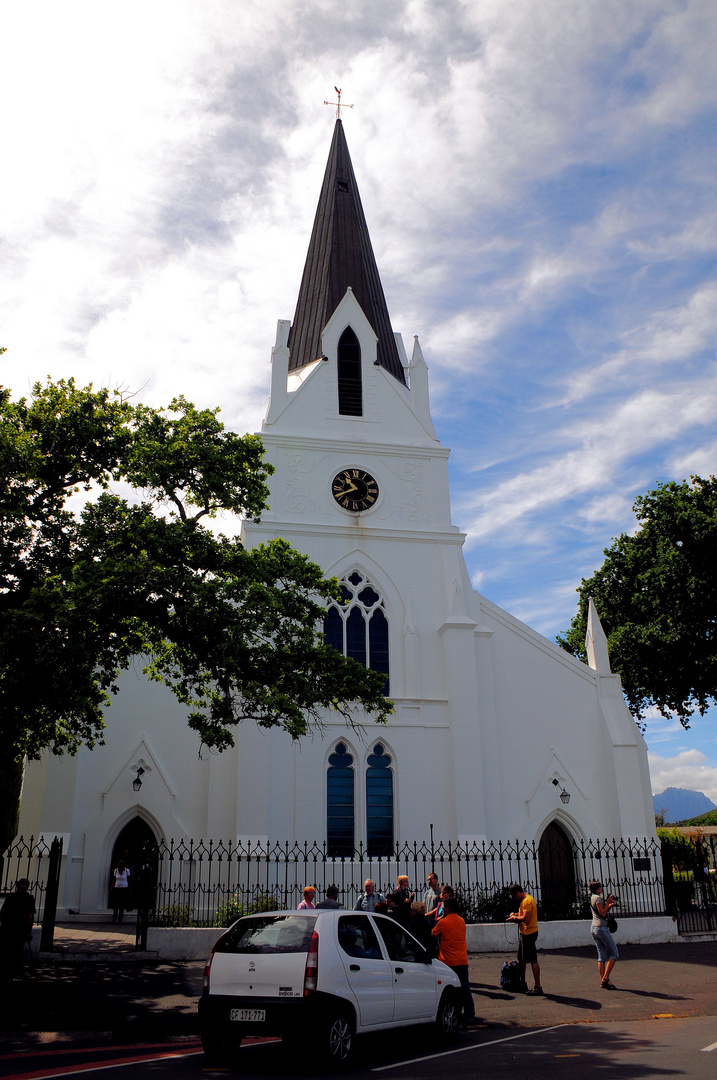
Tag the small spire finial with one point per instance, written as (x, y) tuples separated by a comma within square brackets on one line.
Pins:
[(338, 104)]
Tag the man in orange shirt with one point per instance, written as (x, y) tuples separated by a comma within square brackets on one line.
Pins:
[(451, 934), (527, 918)]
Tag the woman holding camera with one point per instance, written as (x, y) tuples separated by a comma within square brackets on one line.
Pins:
[(604, 941)]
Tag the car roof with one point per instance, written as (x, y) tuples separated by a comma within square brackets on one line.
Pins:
[(321, 913)]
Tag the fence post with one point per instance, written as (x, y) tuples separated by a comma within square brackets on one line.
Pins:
[(145, 884), (51, 893)]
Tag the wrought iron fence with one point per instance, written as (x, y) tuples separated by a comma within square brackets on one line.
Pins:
[(213, 882), (37, 860), (689, 857)]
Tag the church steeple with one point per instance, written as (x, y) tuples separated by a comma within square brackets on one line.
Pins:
[(340, 256)]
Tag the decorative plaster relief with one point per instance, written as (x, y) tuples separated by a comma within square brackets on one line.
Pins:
[(408, 472), (295, 499)]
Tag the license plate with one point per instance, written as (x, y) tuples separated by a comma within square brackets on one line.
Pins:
[(255, 1015)]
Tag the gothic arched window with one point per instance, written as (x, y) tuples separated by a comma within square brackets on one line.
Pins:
[(349, 374), (356, 625), (340, 803), (379, 802)]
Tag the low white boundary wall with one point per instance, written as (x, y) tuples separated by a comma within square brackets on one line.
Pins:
[(497, 937), (188, 943)]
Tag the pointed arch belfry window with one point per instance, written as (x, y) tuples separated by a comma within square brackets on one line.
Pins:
[(340, 803), (349, 374), (379, 802), (356, 625)]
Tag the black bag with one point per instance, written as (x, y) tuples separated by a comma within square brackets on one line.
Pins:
[(611, 924), (510, 977)]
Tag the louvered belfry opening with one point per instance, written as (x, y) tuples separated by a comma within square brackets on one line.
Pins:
[(349, 374), (340, 257)]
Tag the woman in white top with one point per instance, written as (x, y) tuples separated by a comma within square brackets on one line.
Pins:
[(604, 941), (309, 896), (120, 891)]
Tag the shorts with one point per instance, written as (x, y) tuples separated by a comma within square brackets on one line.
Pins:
[(604, 943), (527, 952)]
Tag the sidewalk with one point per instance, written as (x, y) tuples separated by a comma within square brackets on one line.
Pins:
[(92, 940), (76, 1000)]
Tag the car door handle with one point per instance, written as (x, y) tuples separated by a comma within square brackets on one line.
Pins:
[(399, 971), (354, 967)]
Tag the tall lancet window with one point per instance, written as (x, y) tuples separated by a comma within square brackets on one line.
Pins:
[(379, 803), (356, 625), (340, 803), (349, 374)]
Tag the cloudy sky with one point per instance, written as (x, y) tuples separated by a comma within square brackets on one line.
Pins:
[(539, 182)]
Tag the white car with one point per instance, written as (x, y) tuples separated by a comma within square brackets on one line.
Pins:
[(331, 973)]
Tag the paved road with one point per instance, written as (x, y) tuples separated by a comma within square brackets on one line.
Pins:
[(628, 1050), (656, 1024)]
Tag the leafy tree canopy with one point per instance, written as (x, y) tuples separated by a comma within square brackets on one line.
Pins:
[(704, 820), (90, 578), (656, 595)]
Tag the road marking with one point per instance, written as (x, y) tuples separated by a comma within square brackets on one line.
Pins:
[(463, 1049), (98, 1048), (73, 1070), (706, 1049)]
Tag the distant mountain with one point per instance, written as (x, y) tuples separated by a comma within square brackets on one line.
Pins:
[(679, 803)]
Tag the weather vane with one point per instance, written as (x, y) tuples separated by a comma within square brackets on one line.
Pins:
[(338, 104)]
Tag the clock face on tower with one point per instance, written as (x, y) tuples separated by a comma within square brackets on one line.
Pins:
[(354, 490)]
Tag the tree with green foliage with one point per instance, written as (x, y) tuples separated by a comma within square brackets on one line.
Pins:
[(656, 595), (703, 821), (104, 556)]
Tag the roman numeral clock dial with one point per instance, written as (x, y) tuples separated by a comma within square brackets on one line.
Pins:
[(354, 490)]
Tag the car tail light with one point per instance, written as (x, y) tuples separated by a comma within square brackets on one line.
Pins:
[(312, 965), (207, 967)]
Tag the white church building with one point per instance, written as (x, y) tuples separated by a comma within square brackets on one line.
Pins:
[(497, 732)]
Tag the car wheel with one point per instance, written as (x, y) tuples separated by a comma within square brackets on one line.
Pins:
[(218, 1051), (447, 1017), (338, 1039)]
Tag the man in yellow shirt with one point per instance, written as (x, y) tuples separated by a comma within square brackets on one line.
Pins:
[(527, 918)]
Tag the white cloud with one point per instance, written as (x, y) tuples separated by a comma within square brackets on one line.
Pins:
[(540, 193), (584, 459), (689, 769)]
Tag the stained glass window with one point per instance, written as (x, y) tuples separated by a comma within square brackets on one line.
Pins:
[(340, 803), (356, 625), (379, 802)]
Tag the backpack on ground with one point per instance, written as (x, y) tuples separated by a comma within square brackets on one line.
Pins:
[(511, 978)]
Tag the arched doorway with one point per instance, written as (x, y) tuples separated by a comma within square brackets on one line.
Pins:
[(557, 873), (128, 845)]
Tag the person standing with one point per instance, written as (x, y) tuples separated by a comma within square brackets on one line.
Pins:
[(16, 920), (527, 918), (453, 951), (332, 898), (402, 899), (604, 941), (421, 927), (369, 897), (309, 897), (432, 897), (120, 890)]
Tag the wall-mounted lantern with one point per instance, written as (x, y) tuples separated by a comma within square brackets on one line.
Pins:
[(564, 795), (137, 782)]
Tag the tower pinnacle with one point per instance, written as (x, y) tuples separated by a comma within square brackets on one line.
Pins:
[(340, 256)]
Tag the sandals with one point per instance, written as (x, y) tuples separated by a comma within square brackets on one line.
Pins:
[(607, 985), (537, 991)]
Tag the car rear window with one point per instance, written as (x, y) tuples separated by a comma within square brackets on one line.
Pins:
[(269, 934)]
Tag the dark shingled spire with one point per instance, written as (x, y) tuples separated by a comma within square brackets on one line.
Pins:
[(340, 255)]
